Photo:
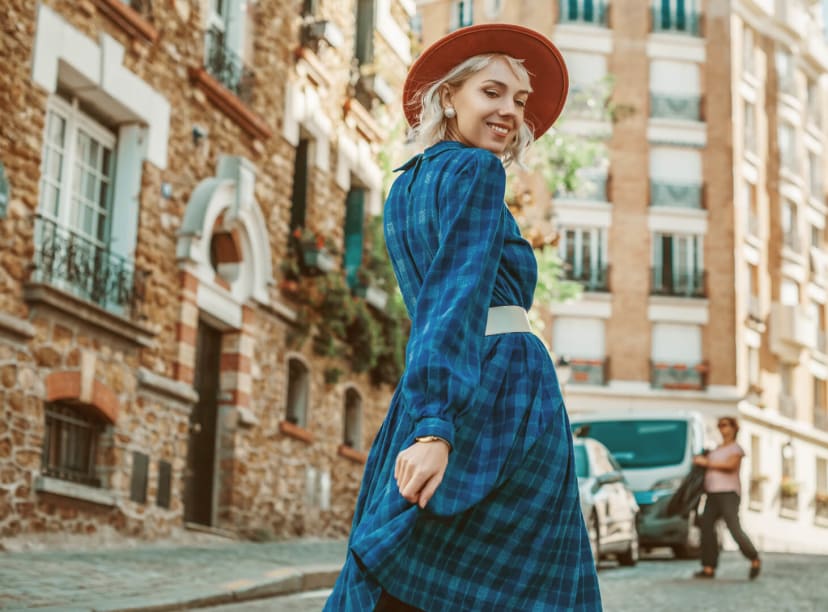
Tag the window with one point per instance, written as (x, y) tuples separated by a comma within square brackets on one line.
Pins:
[(641, 444), (298, 391), (790, 225), (585, 11), (822, 475), (353, 419), (814, 110), (787, 402), (789, 292), (583, 250), (756, 476), (819, 394), (753, 367), (677, 265), (788, 156), (751, 209), (354, 223), (365, 24), (815, 175), (299, 195), (749, 111), (461, 14), (789, 487), (71, 444), (748, 51), (752, 278), (785, 71), (224, 45), (676, 16)]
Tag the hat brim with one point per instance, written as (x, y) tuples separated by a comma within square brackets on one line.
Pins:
[(542, 59)]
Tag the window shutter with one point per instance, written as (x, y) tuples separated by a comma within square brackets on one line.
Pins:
[(354, 217), (365, 31)]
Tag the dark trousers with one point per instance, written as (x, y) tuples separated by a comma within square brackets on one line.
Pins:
[(726, 506), (389, 603)]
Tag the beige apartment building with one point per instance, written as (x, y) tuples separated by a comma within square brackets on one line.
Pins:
[(699, 236)]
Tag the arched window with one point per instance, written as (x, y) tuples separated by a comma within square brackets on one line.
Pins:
[(352, 431), (297, 394)]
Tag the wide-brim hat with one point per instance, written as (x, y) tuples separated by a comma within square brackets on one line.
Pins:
[(543, 61)]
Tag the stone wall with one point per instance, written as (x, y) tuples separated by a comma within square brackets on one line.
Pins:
[(137, 370)]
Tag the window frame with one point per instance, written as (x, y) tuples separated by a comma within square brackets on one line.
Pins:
[(300, 397)]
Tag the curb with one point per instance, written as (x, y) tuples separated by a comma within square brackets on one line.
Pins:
[(280, 581)]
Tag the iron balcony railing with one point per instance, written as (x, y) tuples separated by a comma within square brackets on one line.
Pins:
[(821, 418), (592, 279), (678, 376), (74, 263), (589, 371), (70, 445), (672, 20), (583, 11), (682, 283), (227, 67), (787, 406), (586, 102), (682, 195), (592, 187), (663, 106)]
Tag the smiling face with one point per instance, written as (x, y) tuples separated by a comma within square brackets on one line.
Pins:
[(490, 107)]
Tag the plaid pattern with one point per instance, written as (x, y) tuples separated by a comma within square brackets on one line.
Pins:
[(504, 530)]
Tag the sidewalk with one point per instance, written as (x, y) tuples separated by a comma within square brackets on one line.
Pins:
[(166, 578)]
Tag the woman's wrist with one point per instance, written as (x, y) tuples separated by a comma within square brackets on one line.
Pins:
[(429, 439)]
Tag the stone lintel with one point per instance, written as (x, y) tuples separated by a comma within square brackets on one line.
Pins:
[(16, 327), (173, 389)]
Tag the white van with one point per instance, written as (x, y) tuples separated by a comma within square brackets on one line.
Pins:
[(655, 448)]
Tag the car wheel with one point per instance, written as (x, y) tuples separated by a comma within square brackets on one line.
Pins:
[(594, 537), (691, 549), (630, 557)]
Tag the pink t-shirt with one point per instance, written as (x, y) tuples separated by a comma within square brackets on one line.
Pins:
[(718, 481)]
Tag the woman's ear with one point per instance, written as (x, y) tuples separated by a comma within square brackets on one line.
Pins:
[(445, 97)]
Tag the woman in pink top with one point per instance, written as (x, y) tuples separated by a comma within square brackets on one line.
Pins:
[(721, 483)]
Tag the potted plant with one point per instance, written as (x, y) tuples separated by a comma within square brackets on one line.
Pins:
[(788, 487), (315, 253)]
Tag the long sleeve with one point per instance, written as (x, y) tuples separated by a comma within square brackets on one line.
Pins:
[(449, 318)]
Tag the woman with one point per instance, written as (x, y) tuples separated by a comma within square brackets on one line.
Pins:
[(469, 499), (723, 489)]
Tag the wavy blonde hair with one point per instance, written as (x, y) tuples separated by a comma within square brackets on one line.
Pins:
[(432, 125)]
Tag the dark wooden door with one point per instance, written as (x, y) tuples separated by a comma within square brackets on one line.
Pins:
[(201, 452)]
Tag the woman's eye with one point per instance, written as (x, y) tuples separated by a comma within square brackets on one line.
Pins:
[(521, 103), (492, 93)]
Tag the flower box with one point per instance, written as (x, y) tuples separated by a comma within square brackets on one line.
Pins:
[(318, 259)]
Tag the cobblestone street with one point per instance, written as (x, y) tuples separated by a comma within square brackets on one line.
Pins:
[(789, 583)]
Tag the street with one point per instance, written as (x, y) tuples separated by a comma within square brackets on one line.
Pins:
[(789, 583)]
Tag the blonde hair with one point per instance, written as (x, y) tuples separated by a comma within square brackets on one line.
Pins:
[(432, 126)]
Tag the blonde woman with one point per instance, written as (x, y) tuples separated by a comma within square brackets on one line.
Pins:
[(469, 499)]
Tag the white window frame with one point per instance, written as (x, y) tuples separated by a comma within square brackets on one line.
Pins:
[(693, 244), (597, 250), (76, 120), (462, 14)]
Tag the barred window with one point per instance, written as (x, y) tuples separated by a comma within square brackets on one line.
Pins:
[(70, 444)]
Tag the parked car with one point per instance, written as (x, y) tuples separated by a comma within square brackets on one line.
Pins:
[(607, 502), (655, 450)]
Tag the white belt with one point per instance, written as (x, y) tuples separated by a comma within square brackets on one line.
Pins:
[(507, 320)]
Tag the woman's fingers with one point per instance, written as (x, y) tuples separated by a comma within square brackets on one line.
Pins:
[(429, 489), (419, 470)]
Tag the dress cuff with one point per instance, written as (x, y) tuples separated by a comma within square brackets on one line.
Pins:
[(434, 426)]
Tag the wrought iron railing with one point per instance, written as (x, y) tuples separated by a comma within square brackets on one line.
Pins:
[(787, 406), (227, 66), (665, 281), (591, 187), (668, 19), (70, 445), (678, 376), (583, 11), (69, 261), (585, 102), (593, 279), (589, 371), (675, 107), (682, 195)]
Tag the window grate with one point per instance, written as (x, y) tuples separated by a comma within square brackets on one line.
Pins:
[(70, 445)]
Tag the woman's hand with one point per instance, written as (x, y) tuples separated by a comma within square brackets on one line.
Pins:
[(419, 470), (701, 460)]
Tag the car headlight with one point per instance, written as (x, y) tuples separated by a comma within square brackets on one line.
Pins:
[(667, 484)]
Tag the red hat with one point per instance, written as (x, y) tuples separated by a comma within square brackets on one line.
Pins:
[(547, 70)]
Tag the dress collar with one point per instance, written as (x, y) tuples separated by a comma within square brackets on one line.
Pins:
[(432, 151)]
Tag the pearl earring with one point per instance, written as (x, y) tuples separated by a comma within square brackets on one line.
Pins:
[(449, 112)]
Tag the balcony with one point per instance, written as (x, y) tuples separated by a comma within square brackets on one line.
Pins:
[(227, 67), (591, 12), (671, 21), (678, 376), (793, 325), (821, 418), (589, 371), (86, 269), (691, 284), (787, 406), (664, 106), (590, 187), (681, 195), (587, 102), (593, 279)]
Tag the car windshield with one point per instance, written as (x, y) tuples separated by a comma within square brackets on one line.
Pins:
[(581, 461), (641, 444)]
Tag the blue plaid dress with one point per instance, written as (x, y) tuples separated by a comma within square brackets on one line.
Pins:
[(504, 530)]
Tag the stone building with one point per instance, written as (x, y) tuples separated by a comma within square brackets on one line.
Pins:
[(159, 157), (700, 236)]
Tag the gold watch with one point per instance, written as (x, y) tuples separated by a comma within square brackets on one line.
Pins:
[(431, 439)]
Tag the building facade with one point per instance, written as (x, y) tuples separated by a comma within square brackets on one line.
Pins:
[(174, 174), (699, 236)]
